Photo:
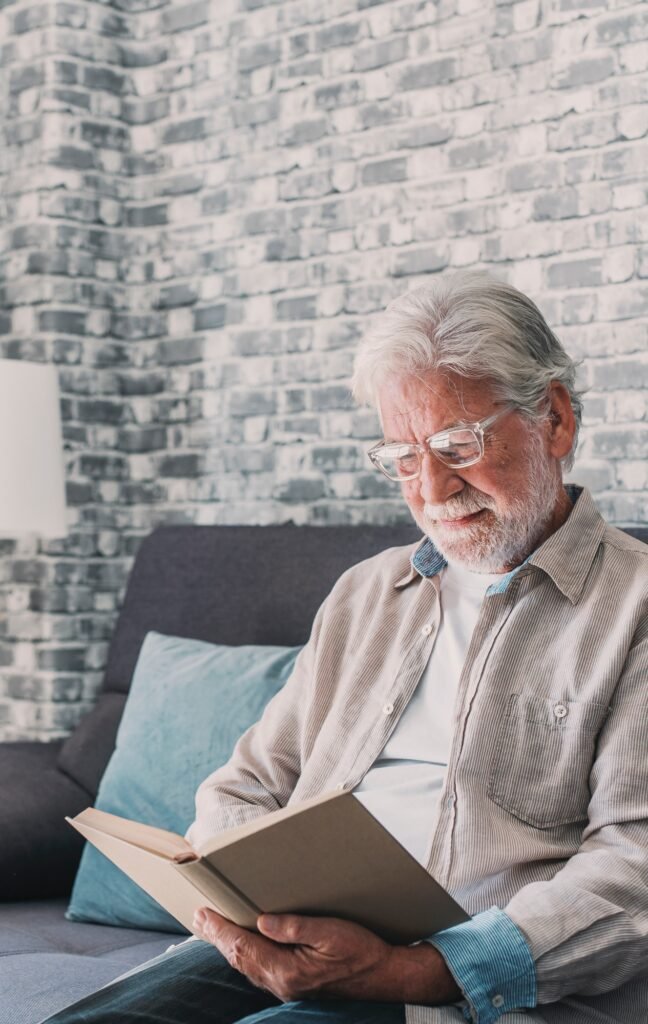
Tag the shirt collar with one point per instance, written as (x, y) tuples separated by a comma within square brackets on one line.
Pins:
[(566, 556)]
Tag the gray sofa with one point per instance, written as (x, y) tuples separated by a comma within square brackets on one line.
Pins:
[(235, 585), (254, 585)]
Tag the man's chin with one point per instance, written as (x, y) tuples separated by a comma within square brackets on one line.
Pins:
[(469, 544)]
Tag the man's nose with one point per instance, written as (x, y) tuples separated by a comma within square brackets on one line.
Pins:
[(437, 482)]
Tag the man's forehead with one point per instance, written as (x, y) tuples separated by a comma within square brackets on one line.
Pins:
[(444, 398)]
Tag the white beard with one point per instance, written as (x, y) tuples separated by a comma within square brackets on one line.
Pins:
[(498, 540)]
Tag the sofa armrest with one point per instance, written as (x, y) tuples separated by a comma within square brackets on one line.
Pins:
[(39, 851)]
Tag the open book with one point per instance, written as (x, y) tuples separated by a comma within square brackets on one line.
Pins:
[(327, 856)]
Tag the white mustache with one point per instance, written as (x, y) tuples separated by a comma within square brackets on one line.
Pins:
[(457, 508)]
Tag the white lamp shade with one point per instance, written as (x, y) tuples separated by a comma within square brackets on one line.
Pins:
[(32, 477)]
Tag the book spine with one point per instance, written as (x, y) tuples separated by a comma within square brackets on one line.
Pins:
[(218, 891)]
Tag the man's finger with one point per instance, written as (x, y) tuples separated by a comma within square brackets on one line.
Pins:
[(215, 928), (318, 932), (242, 948)]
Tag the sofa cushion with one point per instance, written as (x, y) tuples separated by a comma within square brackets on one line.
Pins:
[(189, 703), (47, 963), (39, 852), (86, 752)]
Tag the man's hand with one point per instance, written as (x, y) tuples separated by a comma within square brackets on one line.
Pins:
[(298, 957)]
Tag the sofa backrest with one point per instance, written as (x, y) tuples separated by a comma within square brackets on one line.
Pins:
[(223, 584)]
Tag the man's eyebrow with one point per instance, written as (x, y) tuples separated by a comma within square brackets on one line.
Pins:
[(443, 430)]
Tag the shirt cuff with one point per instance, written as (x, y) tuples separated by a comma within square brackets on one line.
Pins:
[(491, 962)]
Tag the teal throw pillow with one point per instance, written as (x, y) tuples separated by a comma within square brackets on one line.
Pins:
[(189, 702)]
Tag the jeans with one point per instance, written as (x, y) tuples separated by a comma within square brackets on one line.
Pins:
[(194, 984)]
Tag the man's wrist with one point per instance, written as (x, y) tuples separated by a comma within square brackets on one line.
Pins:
[(422, 976)]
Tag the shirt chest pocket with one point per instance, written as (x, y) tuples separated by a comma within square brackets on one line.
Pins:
[(545, 751)]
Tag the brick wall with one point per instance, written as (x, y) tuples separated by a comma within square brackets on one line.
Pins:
[(202, 205)]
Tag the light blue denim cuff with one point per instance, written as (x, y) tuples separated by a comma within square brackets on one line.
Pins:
[(491, 962)]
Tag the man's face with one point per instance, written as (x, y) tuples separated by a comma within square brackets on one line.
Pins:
[(488, 516)]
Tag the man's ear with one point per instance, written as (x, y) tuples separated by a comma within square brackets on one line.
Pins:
[(562, 422)]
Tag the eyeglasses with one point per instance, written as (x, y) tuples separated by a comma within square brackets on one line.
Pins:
[(456, 447)]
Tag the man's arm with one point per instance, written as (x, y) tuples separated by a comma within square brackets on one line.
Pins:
[(267, 760), (586, 929)]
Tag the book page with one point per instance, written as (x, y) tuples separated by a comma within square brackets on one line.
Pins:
[(146, 837)]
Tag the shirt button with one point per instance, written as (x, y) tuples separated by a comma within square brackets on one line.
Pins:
[(497, 1001), (387, 709), (340, 785), (560, 711), (427, 629)]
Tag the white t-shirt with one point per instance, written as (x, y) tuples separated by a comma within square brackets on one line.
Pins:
[(402, 787)]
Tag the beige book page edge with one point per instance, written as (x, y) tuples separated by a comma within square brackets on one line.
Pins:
[(146, 837)]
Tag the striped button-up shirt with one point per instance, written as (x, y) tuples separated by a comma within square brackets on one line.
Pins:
[(544, 810)]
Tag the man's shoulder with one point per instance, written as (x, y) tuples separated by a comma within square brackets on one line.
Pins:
[(624, 563), (618, 540), (388, 566)]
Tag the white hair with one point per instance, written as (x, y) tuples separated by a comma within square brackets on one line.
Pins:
[(476, 326)]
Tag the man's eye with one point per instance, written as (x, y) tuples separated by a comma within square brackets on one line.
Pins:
[(407, 463), (457, 445), (458, 450)]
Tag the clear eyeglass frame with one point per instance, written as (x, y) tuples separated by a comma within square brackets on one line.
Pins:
[(466, 436)]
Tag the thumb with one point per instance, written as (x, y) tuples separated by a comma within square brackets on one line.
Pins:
[(294, 928)]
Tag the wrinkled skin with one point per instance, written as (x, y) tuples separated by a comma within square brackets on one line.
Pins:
[(297, 957)]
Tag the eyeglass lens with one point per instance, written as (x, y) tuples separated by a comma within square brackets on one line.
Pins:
[(455, 448)]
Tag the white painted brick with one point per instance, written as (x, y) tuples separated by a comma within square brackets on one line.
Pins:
[(143, 138), (526, 15), (633, 57), (628, 407), (619, 264), (255, 429), (210, 286), (401, 231), (261, 81), (464, 252), (259, 310), (425, 103), (528, 277), (98, 322), (340, 241), (379, 20), (379, 84), (633, 122), (24, 657), (109, 211), (632, 475), (466, 7), (531, 140), (481, 183), (629, 196), (470, 122), (180, 322), (343, 176), (24, 320), (27, 206), (111, 161), (17, 599)]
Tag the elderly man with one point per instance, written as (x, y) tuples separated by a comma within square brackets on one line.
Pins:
[(484, 695)]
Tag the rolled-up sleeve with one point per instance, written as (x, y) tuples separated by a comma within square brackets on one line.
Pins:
[(492, 964)]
